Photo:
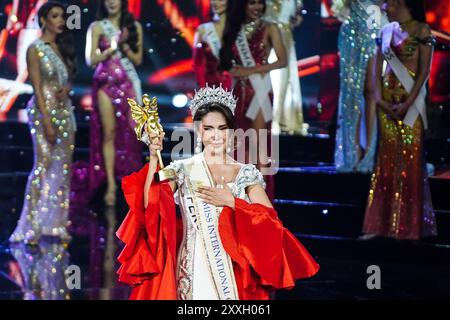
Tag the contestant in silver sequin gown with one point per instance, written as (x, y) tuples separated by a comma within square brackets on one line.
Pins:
[(46, 203), (356, 45)]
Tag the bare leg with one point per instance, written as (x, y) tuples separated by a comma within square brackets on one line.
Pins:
[(107, 116)]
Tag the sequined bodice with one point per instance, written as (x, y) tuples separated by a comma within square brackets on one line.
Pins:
[(393, 88), (54, 76), (408, 47), (256, 45), (110, 71), (52, 69)]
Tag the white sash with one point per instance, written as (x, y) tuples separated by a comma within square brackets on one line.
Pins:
[(60, 66), (211, 38), (260, 83), (206, 219), (111, 31), (288, 8), (392, 32), (61, 71)]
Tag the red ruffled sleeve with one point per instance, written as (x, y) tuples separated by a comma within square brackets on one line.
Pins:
[(265, 254), (148, 260)]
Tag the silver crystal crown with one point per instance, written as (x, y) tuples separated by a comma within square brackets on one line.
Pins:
[(212, 94)]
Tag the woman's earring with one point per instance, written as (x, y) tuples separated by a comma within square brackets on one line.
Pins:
[(198, 147), (229, 146)]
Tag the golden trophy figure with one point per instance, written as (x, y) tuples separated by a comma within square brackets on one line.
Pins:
[(147, 122)]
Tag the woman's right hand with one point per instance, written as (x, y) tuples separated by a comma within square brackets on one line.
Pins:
[(49, 131), (123, 37), (63, 93), (388, 109), (156, 142), (110, 52)]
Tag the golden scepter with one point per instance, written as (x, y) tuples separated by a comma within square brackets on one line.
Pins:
[(147, 123)]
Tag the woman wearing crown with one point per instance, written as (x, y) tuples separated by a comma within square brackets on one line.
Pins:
[(230, 243)]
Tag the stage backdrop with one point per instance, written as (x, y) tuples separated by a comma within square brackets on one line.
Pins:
[(169, 27)]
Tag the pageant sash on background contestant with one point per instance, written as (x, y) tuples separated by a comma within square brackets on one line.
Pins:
[(392, 32), (261, 83), (399, 204)]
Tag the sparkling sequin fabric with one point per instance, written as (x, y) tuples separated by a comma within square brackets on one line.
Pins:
[(356, 43), (46, 203), (111, 77), (43, 270), (399, 204)]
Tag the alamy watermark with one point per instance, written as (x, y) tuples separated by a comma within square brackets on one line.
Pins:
[(73, 21), (73, 277), (374, 280), (255, 146)]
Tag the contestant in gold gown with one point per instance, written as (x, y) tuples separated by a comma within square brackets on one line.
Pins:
[(399, 204)]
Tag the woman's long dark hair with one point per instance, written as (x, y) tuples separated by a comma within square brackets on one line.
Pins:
[(64, 41), (235, 20), (126, 21), (417, 9)]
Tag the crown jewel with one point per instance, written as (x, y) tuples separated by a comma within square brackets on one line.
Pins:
[(212, 94)]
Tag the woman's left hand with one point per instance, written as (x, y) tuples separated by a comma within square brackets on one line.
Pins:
[(123, 38), (63, 93), (400, 110), (241, 72), (218, 197), (296, 20)]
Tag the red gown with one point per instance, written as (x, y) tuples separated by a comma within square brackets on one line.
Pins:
[(265, 255), (244, 92), (205, 65)]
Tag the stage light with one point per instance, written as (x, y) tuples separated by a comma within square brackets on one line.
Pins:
[(180, 100), (22, 116), (325, 211)]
